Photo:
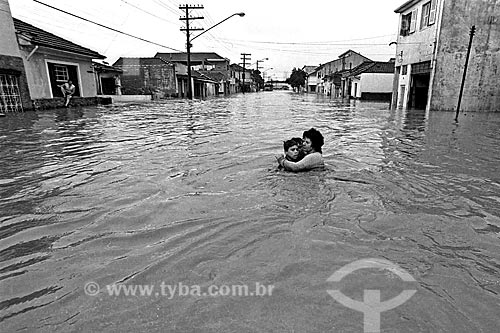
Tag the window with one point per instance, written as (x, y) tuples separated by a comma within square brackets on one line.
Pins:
[(10, 98), (432, 12), (404, 70), (61, 73), (405, 25), (413, 21), (426, 9)]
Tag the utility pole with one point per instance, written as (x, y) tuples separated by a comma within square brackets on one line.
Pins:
[(471, 35), (245, 55), (188, 30)]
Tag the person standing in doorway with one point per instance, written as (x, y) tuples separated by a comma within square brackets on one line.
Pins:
[(68, 89)]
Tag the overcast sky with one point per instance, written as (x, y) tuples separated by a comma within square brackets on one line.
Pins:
[(288, 33)]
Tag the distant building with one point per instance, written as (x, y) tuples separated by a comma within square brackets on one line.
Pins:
[(147, 76), (335, 80), (372, 80), (310, 84), (209, 69), (241, 78), (430, 55), (14, 91)]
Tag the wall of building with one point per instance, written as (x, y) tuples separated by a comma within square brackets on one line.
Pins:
[(419, 45), (414, 48), (38, 75), (8, 42), (147, 76), (376, 82), (481, 92)]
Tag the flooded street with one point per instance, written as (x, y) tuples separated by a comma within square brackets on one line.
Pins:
[(189, 193)]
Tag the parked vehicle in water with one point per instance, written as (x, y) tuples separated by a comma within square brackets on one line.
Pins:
[(268, 87)]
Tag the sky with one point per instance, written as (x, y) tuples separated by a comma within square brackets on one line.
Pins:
[(289, 33)]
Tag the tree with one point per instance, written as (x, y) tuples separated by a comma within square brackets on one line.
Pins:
[(297, 78)]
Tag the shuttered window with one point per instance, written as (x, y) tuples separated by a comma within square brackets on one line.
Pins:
[(413, 22), (424, 22), (432, 13)]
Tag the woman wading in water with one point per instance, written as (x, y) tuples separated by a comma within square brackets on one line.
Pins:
[(313, 159)]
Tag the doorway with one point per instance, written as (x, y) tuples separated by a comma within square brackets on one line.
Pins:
[(60, 74), (419, 91)]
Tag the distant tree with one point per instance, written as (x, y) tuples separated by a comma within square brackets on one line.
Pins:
[(297, 78)]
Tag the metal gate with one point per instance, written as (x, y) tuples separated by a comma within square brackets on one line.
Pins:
[(10, 98)]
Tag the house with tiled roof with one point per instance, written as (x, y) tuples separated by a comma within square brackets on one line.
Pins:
[(210, 64), (335, 74), (372, 80), (50, 61)]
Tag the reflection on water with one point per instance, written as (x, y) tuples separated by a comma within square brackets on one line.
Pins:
[(189, 192)]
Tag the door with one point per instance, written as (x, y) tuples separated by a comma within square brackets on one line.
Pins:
[(61, 73)]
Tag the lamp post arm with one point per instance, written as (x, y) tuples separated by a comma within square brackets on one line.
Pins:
[(224, 20)]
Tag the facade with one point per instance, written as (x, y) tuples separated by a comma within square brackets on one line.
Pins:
[(236, 79), (431, 51), (211, 69), (50, 61), (336, 81), (14, 91), (147, 76), (372, 80), (310, 85), (314, 80)]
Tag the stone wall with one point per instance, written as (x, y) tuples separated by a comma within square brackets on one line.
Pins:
[(58, 102), (481, 92)]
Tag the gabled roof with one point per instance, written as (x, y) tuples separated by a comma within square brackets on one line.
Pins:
[(196, 57), (140, 62), (309, 69), (236, 67), (43, 38), (214, 75), (343, 54), (373, 67)]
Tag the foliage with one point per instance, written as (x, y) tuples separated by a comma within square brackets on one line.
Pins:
[(297, 78)]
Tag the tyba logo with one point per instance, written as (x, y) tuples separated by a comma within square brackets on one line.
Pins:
[(371, 306)]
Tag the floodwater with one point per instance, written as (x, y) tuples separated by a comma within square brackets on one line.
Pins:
[(187, 194)]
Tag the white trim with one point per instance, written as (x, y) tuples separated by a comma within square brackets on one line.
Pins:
[(80, 87)]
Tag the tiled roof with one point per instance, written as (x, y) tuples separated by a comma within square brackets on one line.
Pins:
[(196, 57), (140, 62), (43, 38), (373, 67), (309, 69), (343, 54)]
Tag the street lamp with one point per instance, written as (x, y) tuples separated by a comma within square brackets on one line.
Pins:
[(189, 45), (264, 73), (257, 73)]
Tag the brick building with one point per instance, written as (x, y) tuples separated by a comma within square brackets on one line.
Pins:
[(147, 76)]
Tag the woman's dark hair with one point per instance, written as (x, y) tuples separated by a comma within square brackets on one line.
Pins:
[(317, 140)]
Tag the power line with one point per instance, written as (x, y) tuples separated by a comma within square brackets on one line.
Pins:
[(144, 11), (101, 25), (310, 43)]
